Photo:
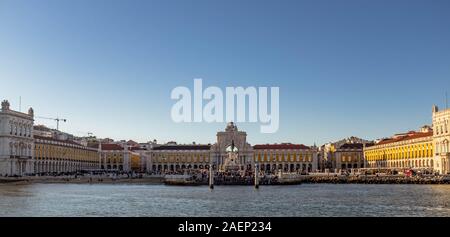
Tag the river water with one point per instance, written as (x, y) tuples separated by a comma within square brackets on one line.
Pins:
[(159, 200)]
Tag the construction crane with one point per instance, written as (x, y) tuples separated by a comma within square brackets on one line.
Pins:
[(56, 119)]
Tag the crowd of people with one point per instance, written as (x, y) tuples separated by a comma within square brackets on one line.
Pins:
[(243, 177), (89, 175)]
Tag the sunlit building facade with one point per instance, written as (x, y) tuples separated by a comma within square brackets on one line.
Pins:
[(413, 150), (173, 157), (344, 155), (267, 157), (118, 157), (427, 149), (286, 157), (441, 140), (135, 163), (16, 141), (59, 156)]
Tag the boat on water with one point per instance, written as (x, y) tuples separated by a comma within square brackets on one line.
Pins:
[(11, 180), (182, 180), (286, 178)]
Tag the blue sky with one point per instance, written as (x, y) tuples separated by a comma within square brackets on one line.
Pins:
[(362, 68)]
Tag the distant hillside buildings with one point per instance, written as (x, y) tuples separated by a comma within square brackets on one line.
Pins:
[(344, 154)]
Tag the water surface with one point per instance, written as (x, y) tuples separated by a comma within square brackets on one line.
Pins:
[(160, 200)]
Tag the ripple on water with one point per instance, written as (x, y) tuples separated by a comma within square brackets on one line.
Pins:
[(161, 200)]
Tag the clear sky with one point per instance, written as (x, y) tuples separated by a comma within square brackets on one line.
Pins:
[(364, 68)]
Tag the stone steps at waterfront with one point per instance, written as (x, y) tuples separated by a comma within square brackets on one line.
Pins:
[(81, 180)]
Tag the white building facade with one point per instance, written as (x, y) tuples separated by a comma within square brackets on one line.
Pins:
[(16, 141), (441, 140)]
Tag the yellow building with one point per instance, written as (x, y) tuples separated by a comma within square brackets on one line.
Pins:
[(428, 149), (119, 157), (232, 147), (136, 162), (346, 155), (286, 157), (174, 157), (56, 156), (112, 156), (412, 150)]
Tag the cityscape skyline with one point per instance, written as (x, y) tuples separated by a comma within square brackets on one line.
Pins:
[(235, 113), (343, 69)]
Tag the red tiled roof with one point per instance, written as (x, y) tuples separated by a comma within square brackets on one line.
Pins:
[(183, 147), (409, 136), (111, 147), (56, 140), (66, 142), (131, 143), (281, 146), (136, 148), (352, 146)]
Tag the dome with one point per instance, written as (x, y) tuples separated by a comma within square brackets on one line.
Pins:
[(5, 105)]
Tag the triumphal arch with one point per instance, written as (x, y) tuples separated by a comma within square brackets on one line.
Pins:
[(234, 139)]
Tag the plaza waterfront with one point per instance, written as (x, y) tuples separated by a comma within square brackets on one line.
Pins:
[(330, 179), (221, 179), (230, 172)]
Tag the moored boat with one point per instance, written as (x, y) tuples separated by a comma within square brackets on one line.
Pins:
[(182, 180)]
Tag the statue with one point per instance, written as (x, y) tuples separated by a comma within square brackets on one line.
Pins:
[(231, 127), (5, 105), (231, 163), (435, 109), (31, 112)]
